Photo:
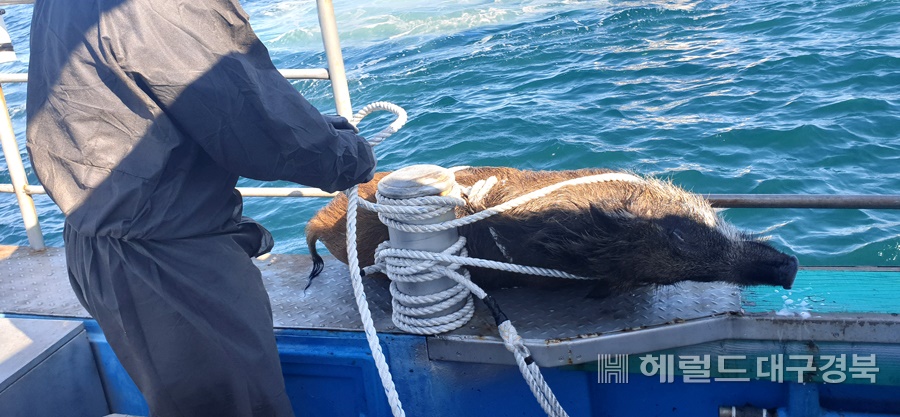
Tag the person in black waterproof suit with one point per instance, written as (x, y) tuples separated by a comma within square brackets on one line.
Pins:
[(141, 116)]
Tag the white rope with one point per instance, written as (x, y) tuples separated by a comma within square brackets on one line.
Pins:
[(393, 215), (394, 256), (383, 106), (416, 313), (365, 314), (410, 312), (359, 293), (530, 371), (479, 190)]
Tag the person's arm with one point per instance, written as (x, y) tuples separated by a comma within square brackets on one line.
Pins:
[(219, 86)]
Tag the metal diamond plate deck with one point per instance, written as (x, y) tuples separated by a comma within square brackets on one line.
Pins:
[(561, 326), (36, 283), (328, 304), (567, 312)]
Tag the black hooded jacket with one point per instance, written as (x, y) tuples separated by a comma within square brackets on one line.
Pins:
[(143, 113)]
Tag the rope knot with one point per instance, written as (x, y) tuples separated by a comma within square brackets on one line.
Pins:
[(511, 339), (480, 189)]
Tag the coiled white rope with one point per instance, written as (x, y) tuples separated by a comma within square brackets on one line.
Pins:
[(413, 314)]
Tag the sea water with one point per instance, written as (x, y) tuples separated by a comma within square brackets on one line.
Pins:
[(764, 96)]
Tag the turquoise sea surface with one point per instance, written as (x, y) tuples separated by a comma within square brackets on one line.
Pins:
[(768, 96)]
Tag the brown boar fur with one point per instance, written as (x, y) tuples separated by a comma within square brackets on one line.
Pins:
[(623, 234), (330, 224)]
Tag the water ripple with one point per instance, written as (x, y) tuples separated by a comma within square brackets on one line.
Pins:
[(770, 96)]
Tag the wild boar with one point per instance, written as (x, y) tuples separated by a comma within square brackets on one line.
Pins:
[(623, 234)]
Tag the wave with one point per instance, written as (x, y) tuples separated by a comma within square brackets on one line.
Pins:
[(293, 24)]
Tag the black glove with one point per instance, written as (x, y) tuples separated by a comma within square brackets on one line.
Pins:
[(340, 123)]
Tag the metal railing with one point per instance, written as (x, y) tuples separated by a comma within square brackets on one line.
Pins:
[(811, 201), (336, 73)]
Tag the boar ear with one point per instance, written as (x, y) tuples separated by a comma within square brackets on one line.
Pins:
[(607, 221)]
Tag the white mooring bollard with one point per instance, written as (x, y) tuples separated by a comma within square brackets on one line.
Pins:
[(423, 181)]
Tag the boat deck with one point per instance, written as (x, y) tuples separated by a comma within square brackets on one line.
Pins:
[(561, 326)]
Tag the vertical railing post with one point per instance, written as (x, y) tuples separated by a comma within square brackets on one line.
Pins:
[(335, 59), (19, 179)]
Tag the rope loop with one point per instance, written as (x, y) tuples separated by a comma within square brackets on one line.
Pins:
[(382, 106)]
